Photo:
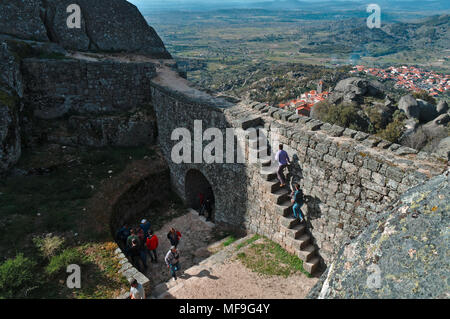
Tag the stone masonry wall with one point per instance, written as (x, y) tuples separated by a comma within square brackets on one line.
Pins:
[(94, 103), (177, 110), (348, 177)]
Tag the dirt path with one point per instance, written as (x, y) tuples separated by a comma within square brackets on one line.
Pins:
[(233, 280), (223, 276)]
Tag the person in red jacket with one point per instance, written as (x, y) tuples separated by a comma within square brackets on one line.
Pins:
[(152, 244)]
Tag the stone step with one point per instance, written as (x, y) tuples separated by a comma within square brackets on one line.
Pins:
[(264, 152), (307, 253), (265, 162), (260, 129), (312, 266), (304, 240), (296, 231), (268, 173), (274, 185), (289, 222), (281, 196), (286, 207), (258, 142), (250, 121), (299, 243)]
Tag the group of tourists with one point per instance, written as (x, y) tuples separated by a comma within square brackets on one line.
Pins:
[(283, 160), (139, 243)]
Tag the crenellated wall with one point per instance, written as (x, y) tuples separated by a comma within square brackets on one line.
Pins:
[(348, 178)]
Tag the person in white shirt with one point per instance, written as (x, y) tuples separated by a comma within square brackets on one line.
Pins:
[(136, 290)]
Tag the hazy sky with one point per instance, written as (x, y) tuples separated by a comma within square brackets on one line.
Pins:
[(410, 5)]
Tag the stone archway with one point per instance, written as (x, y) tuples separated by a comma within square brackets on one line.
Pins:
[(195, 184)]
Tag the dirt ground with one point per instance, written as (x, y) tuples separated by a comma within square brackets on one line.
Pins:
[(196, 236), (219, 277), (232, 280)]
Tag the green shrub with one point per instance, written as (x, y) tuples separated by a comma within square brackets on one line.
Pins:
[(61, 261), (49, 246), (376, 121), (345, 115), (16, 275), (229, 241), (395, 129)]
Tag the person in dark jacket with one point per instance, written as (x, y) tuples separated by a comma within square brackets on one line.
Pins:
[(174, 237), (297, 200), (122, 235), (145, 226), (133, 235), (135, 254), (208, 208)]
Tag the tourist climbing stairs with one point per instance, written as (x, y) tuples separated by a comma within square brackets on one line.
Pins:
[(297, 232)]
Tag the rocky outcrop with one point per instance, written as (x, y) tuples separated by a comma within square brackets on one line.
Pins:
[(11, 89), (428, 111), (442, 107), (10, 148), (409, 105), (404, 254), (22, 19), (352, 90), (421, 110), (106, 25), (443, 148)]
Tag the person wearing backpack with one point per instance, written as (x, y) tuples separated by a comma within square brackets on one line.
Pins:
[(174, 237), (297, 200), (173, 261)]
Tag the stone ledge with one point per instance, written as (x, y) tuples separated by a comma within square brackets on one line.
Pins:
[(130, 273)]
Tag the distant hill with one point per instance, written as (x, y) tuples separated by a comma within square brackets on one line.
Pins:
[(352, 35)]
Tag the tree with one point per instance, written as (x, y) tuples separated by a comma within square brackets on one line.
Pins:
[(423, 95)]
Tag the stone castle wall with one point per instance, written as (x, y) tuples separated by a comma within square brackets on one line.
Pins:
[(348, 178), (228, 181), (94, 103)]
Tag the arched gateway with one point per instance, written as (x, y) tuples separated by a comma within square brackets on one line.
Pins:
[(198, 189)]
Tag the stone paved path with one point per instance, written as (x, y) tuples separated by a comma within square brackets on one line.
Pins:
[(196, 236)]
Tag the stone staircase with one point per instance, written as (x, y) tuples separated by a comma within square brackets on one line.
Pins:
[(297, 234)]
